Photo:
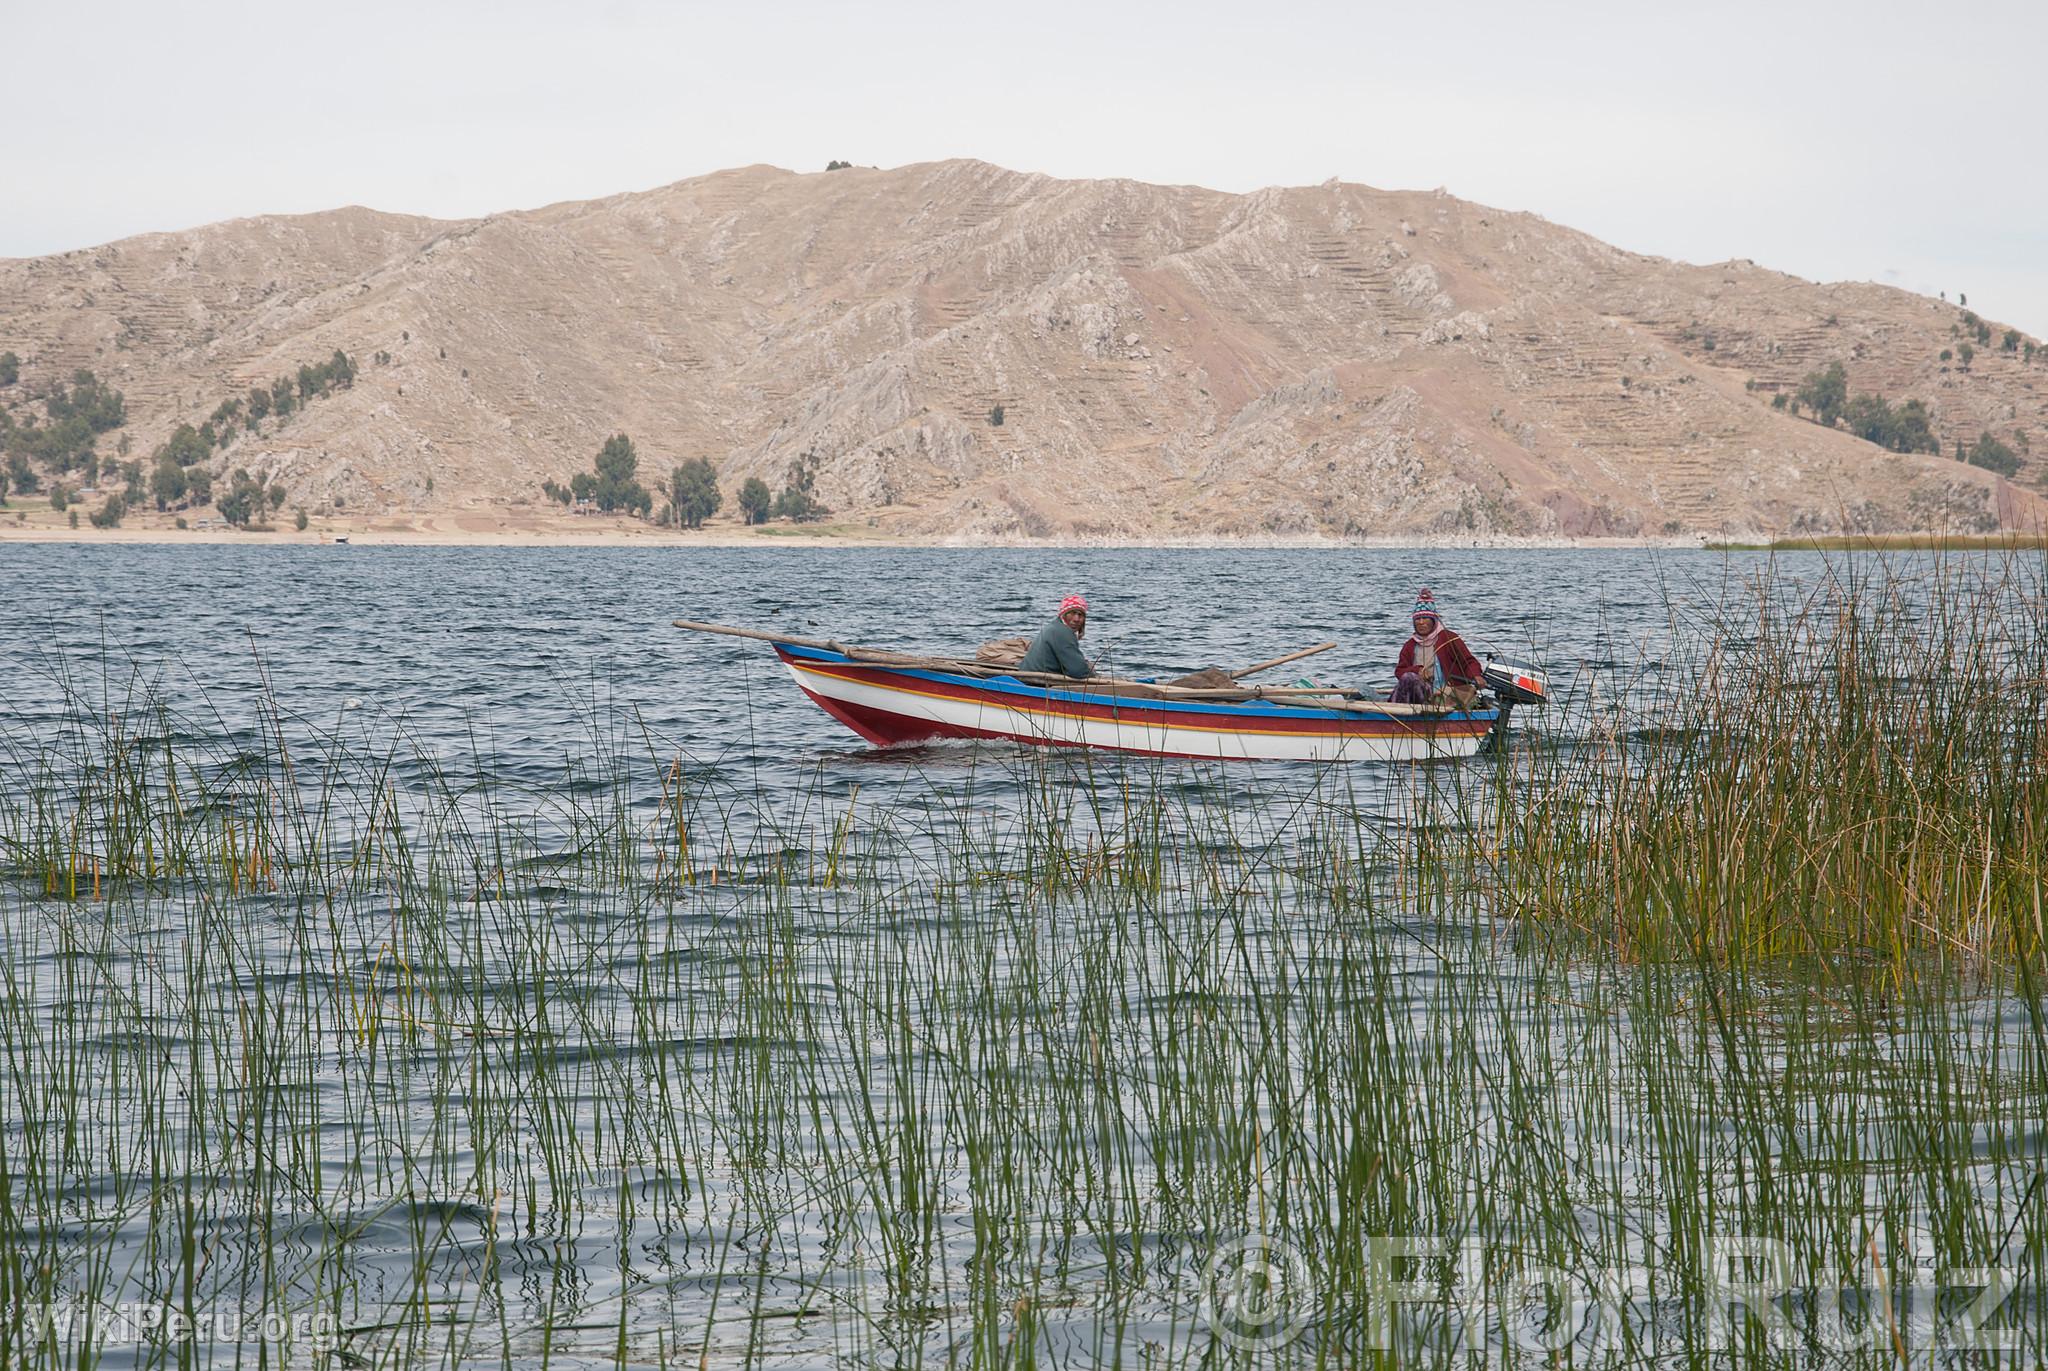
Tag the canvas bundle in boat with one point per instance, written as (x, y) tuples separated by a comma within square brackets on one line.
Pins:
[(1003, 651)]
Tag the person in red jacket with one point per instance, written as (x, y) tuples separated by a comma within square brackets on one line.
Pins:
[(1436, 667)]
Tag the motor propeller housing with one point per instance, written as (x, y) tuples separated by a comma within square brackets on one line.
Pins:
[(1517, 682)]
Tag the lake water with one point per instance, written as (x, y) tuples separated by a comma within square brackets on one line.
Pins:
[(504, 977), (448, 638)]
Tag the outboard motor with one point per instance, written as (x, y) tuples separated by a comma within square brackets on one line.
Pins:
[(1513, 683), (1517, 683)]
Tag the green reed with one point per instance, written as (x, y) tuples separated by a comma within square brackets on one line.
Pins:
[(636, 1064), (1855, 773)]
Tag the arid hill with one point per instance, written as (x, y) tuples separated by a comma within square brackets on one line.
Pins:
[(1169, 361)]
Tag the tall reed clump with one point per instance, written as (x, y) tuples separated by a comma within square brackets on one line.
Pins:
[(342, 1042), (1856, 769)]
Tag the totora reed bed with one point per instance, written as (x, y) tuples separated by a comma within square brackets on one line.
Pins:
[(326, 1046)]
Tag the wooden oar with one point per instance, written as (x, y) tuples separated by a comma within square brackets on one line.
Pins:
[(1281, 661)]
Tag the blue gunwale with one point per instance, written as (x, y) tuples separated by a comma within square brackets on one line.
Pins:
[(1010, 685)]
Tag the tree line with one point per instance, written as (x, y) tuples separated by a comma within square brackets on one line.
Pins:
[(690, 495), (65, 438), (1908, 427), (1825, 395), (63, 444)]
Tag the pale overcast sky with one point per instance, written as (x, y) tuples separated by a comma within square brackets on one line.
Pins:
[(1878, 140)]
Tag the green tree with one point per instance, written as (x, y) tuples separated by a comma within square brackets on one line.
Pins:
[(797, 503), (22, 473), (1905, 429), (199, 485), (995, 416), (616, 489), (2011, 341), (693, 492), (187, 446), (243, 503), (109, 514), (1913, 430), (63, 445), (167, 482), (756, 502), (259, 405), (1992, 455), (1964, 354), (10, 368), (59, 497), (299, 518), (90, 399), (617, 460), (1826, 393), (1870, 419)]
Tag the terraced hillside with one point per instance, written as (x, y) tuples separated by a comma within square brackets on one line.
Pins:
[(1169, 361)]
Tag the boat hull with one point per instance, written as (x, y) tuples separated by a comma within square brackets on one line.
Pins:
[(891, 705)]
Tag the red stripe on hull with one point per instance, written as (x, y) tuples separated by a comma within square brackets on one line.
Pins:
[(886, 729), (880, 727), (1133, 713)]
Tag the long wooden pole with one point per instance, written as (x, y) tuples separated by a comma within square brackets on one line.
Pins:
[(729, 631), (958, 666), (880, 657), (1281, 661)]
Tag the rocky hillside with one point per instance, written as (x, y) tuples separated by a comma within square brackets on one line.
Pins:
[(1168, 361)]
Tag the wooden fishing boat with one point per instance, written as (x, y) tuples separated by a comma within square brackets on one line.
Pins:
[(896, 698)]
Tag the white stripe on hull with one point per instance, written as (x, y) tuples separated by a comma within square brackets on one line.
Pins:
[(1137, 735)]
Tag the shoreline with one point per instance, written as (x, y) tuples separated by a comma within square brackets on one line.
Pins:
[(551, 539), (470, 531), (619, 534)]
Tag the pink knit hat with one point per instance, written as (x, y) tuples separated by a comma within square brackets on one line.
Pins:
[(1074, 602)]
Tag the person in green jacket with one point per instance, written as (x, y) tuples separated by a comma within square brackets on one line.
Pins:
[(1057, 648)]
